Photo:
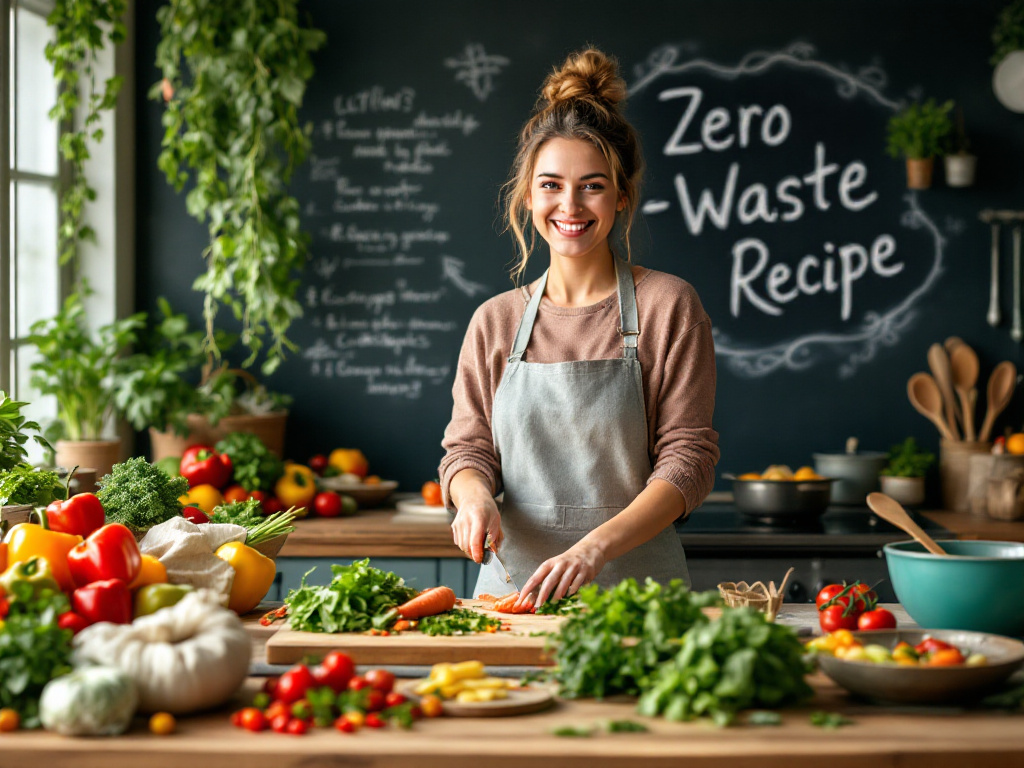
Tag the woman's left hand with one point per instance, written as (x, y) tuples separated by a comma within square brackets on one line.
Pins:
[(564, 575)]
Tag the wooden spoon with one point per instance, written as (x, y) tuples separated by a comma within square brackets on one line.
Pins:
[(925, 397), (952, 343), (964, 364), (1000, 389), (938, 361), (892, 511)]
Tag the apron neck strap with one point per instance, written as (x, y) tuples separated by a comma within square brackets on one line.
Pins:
[(629, 327)]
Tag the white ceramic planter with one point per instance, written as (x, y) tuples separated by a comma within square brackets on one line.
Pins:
[(960, 170), (908, 491)]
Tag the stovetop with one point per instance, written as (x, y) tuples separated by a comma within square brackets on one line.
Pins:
[(851, 530)]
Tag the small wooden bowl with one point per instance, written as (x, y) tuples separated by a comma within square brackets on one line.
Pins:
[(271, 547)]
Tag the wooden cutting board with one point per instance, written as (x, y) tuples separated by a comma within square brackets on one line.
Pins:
[(514, 647)]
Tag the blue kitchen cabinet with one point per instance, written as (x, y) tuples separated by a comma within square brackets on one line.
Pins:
[(418, 572)]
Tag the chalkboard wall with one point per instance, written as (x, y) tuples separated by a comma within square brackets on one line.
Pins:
[(768, 189)]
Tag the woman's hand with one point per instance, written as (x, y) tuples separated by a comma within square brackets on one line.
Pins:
[(564, 575), (477, 518)]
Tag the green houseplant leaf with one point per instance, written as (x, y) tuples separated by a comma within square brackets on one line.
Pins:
[(919, 130), (234, 77), (14, 433), (908, 460)]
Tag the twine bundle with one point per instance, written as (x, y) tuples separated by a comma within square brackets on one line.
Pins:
[(768, 599)]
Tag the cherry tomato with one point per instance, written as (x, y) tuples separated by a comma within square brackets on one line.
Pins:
[(235, 493), (431, 491), (380, 679), (431, 705), (373, 720), (194, 515), (327, 504), (878, 618), (335, 671), (357, 683), (277, 707), (271, 504), (260, 496), (236, 718), (374, 700), (931, 644), (279, 723), (270, 685), (827, 593), (294, 683), (253, 720), (318, 463), (162, 724), (393, 699), (345, 725), (832, 618), (945, 657)]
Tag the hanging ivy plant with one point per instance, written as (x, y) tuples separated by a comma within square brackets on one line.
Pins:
[(234, 75), (79, 35)]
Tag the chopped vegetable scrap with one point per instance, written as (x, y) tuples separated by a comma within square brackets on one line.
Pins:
[(465, 682), (507, 603)]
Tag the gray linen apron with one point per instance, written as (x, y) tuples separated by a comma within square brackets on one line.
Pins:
[(572, 441)]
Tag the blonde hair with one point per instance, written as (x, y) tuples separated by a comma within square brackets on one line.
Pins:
[(579, 100)]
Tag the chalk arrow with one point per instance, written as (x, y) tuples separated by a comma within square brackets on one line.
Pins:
[(655, 206), (451, 269)]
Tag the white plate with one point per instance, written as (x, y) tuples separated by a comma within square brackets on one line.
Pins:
[(416, 506), (1008, 81)]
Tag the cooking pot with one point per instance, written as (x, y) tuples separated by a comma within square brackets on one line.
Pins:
[(856, 472), (781, 501)]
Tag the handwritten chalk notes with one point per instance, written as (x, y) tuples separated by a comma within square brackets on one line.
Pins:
[(770, 173), (388, 274)]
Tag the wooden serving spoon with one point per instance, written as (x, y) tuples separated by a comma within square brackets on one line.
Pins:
[(938, 361), (927, 400), (1000, 389), (963, 362), (892, 511)]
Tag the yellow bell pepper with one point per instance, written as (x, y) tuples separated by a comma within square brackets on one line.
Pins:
[(205, 496), (254, 573), (28, 540), (151, 572), (296, 487)]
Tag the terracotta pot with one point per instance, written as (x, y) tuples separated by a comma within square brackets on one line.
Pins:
[(268, 427), (99, 455), (919, 172), (908, 491)]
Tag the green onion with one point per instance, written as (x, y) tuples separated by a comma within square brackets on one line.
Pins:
[(275, 525)]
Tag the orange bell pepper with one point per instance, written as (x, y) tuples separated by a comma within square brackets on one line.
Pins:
[(152, 571), (28, 540)]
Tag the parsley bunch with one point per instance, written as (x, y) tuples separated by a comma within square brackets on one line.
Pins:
[(738, 661), (139, 495), (33, 649), (244, 513), (24, 484), (359, 597), (457, 621), (621, 634), (256, 467)]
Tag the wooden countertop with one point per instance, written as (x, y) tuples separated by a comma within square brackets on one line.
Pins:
[(388, 533)]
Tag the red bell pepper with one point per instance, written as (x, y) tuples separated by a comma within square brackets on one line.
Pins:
[(109, 553), (71, 620), (81, 514), (202, 465), (107, 600)]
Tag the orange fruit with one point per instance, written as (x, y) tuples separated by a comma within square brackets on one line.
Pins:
[(806, 473), (349, 461), (1015, 443), (750, 476)]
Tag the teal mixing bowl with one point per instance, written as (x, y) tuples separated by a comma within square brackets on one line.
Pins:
[(978, 587)]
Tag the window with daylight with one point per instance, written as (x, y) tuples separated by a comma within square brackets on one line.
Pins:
[(30, 284)]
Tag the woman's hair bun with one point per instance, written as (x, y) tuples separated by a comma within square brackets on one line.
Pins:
[(589, 75)]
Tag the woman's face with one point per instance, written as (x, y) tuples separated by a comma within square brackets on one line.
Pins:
[(572, 198)]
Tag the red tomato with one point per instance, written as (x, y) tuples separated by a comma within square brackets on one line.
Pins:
[(279, 723), (380, 679), (946, 657), (194, 515), (327, 504), (271, 504), (345, 725), (357, 683), (373, 720), (832, 618), (335, 671), (236, 718), (270, 685), (393, 699), (252, 719), (374, 700), (296, 727), (431, 491), (827, 593), (260, 496), (276, 708), (318, 463), (235, 493), (932, 644), (294, 683), (878, 618)]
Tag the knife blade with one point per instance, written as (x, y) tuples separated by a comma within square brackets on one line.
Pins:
[(489, 555)]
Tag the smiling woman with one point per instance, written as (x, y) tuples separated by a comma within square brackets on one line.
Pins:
[(602, 438)]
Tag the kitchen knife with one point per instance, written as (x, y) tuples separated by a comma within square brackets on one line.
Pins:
[(489, 555)]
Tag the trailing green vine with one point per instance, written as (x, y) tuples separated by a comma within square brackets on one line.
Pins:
[(79, 35), (234, 77)]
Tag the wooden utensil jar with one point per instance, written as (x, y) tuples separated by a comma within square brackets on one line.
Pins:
[(954, 471)]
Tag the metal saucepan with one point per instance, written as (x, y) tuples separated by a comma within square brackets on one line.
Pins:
[(781, 501)]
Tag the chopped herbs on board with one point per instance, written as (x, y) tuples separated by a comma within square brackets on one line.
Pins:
[(458, 621)]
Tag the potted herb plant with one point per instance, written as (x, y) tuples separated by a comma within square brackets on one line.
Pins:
[(15, 433), (903, 477), (960, 164), (175, 392), (82, 370), (234, 76), (918, 133)]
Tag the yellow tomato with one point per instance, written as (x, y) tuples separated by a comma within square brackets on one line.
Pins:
[(1015, 443), (162, 723), (10, 720), (349, 460), (204, 496)]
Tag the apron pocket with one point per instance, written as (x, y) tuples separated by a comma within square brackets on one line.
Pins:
[(561, 517)]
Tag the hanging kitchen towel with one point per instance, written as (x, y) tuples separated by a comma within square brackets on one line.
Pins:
[(187, 552)]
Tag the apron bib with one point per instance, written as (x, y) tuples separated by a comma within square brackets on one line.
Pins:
[(572, 441)]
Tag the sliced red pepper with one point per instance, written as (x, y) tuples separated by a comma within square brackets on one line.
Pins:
[(107, 600), (202, 465), (109, 553)]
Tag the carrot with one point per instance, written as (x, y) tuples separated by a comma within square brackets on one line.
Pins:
[(429, 602), (506, 603)]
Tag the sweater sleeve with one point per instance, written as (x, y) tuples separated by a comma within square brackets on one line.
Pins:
[(467, 441), (685, 445)]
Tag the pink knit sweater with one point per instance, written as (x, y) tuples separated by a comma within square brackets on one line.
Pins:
[(677, 358)]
